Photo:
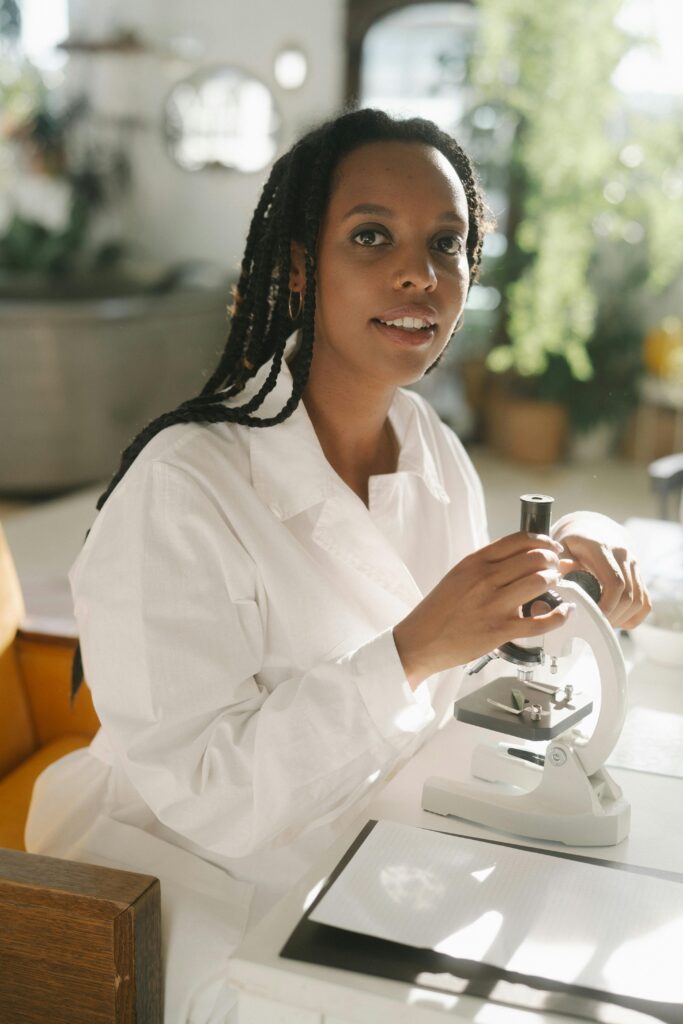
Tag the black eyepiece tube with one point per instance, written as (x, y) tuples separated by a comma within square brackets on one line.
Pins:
[(536, 511)]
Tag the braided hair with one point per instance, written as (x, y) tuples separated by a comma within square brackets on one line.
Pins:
[(291, 208)]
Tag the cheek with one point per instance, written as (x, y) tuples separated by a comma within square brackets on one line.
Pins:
[(463, 272), (341, 282), (456, 285)]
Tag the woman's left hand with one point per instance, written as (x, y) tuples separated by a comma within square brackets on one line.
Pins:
[(599, 545)]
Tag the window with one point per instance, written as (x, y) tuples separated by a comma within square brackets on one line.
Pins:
[(414, 62), (43, 26), (651, 73)]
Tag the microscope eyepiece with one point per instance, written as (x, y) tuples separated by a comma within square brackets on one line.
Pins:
[(535, 513)]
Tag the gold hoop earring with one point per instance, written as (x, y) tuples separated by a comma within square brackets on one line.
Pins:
[(295, 315)]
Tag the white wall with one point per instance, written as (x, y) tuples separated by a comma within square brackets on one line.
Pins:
[(174, 214)]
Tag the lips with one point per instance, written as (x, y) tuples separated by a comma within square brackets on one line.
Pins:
[(427, 315), (412, 338)]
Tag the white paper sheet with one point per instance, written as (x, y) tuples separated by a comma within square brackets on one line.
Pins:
[(651, 741), (558, 918)]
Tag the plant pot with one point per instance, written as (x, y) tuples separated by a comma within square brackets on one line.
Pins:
[(526, 430), (474, 377), (593, 445), (79, 377), (651, 432)]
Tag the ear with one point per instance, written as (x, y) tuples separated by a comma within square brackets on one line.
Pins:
[(297, 271)]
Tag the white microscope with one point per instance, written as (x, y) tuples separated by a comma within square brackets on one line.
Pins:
[(565, 793)]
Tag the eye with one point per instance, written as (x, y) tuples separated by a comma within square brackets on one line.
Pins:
[(451, 245), (370, 238)]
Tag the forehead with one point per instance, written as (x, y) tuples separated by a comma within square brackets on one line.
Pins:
[(397, 175)]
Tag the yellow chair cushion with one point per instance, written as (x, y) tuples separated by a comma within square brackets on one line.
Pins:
[(45, 666), (17, 735), (16, 788)]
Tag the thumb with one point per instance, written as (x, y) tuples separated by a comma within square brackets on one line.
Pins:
[(569, 565)]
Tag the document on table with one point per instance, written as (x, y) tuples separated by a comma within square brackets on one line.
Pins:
[(651, 741), (549, 916)]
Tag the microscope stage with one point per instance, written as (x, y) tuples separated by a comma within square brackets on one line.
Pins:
[(560, 714)]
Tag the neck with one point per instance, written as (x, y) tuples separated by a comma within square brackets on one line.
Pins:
[(351, 422)]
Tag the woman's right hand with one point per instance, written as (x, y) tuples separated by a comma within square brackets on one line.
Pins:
[(477, 605)]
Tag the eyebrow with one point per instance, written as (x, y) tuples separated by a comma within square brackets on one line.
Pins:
[(448, 216)]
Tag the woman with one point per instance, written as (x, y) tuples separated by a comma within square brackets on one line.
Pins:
[(291, 570)]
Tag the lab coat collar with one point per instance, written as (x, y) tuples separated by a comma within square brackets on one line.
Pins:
[(416, 453), (289, 469)]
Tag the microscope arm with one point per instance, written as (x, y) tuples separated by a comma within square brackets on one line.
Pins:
[(589, 623)]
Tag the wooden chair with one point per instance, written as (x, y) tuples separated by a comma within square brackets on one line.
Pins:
[(79, 943)]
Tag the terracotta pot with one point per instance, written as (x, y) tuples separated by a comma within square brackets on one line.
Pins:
[(474, 377), (651, 432), (526, 430)]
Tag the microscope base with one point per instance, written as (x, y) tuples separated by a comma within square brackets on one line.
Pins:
[(566, 805)]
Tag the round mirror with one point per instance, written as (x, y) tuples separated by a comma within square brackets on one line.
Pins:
[(221, 118)]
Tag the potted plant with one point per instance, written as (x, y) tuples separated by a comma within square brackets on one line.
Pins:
[(567, 347)]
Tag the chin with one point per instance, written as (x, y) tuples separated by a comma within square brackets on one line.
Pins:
[(412, 366), (404, 376), (412, 378)]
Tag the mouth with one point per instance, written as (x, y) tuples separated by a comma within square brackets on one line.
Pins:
[(407, 330)]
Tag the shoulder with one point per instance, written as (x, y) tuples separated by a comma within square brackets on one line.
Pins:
[(203, 453), (182, 475), (195, 445)]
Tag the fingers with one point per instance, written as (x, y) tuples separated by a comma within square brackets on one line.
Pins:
[(525, 564), (624, 599), (520, 557), (623, 594), (506, 603), (540, 624), (516, 543), (624, 608), (641, 605), (603, 564), (569, 565), (517, 569), (522, 565), (517, 593)]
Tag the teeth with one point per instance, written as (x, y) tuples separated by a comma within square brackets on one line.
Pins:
[(409, 323)]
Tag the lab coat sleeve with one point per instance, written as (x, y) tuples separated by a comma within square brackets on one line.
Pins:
[(171, 621)]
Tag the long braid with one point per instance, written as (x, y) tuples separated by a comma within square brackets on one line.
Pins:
[(271, 329), (244, 287)]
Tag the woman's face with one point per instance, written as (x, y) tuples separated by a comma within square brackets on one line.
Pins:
[(392, 271)]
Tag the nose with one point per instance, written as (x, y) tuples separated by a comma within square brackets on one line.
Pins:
[(415, 271)]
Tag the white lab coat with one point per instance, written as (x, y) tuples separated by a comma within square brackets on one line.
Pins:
[(235, 601)]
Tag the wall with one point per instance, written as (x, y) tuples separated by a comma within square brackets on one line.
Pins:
[(173, 214)]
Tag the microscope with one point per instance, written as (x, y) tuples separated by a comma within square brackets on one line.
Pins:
[(563, 792)]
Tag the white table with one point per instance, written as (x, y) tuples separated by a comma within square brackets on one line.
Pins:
[(278, 991)]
